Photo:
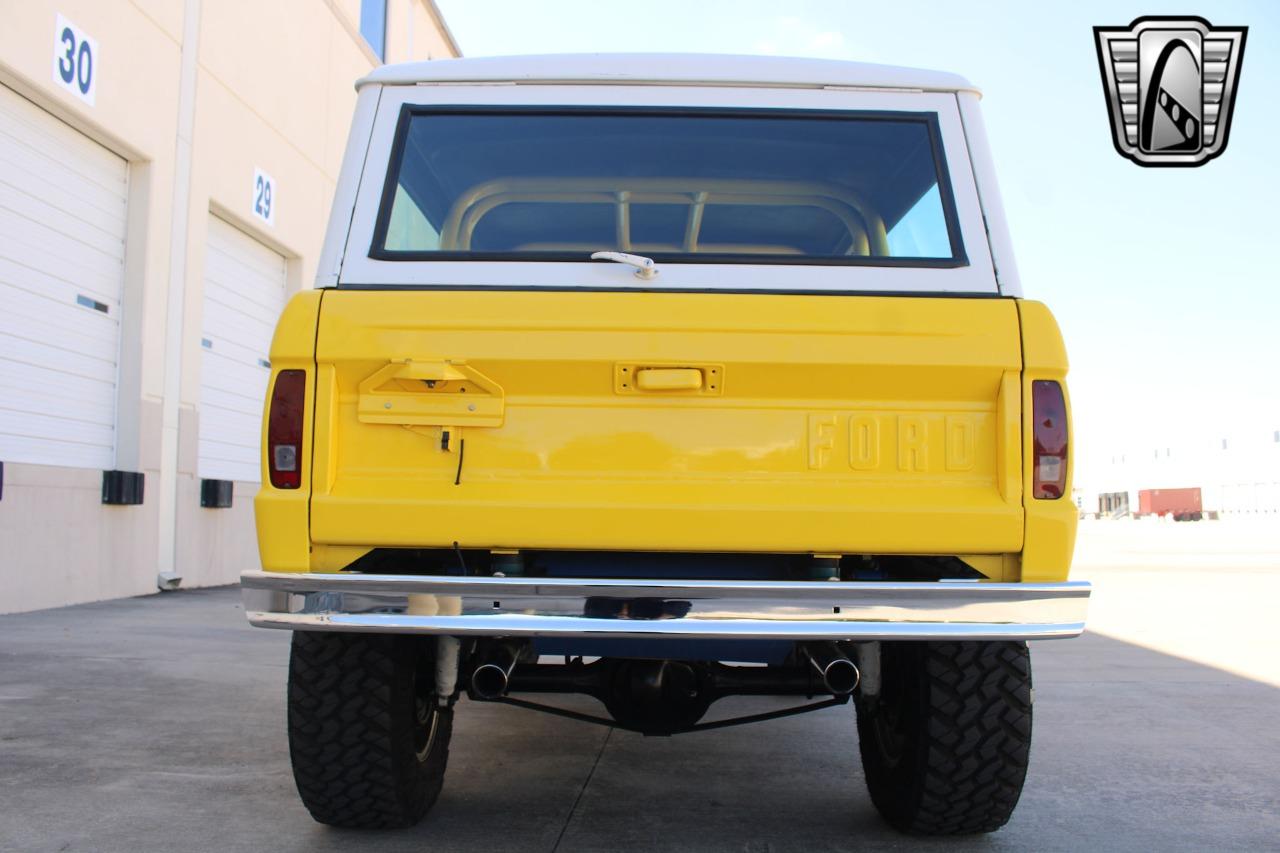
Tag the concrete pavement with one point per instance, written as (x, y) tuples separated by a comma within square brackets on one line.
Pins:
[(157, 724)]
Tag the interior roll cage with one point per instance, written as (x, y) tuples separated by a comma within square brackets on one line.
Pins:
[(865, 227)]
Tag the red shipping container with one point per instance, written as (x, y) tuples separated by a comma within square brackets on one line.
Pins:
[(1166, 501)]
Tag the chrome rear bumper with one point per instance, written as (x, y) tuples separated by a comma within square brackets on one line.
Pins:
[(640, 609)]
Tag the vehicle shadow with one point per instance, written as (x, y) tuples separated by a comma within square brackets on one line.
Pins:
[(1134, 750), (158, 724)]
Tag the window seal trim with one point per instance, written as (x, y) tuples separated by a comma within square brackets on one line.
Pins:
[(959, 257), (740, 291)]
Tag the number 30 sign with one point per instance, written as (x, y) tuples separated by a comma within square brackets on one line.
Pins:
[(75, 60)]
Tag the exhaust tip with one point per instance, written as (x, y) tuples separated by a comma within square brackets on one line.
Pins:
[(841, 677), (839, 674), (489, 681)]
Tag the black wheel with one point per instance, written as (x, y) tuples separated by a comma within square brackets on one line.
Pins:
[(368, 740), (945, 745)]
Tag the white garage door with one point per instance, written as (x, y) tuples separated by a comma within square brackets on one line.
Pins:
[(63, 203), (244, 291)]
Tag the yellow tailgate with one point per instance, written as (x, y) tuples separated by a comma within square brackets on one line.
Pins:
[(668, 421)]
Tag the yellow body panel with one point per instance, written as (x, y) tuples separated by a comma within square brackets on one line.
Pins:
[(667, 422), (283, 537), (1051, 525)]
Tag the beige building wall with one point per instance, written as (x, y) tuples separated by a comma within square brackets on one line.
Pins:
[(195, 95)]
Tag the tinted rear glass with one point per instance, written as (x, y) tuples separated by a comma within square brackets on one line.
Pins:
[(746, 187)]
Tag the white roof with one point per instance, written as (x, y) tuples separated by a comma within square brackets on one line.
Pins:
[(634, 68)]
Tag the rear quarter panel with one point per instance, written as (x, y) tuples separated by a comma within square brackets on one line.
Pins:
[(1050, 524), (282, 514)]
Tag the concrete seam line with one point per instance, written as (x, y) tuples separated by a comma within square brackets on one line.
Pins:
[(568, 819)]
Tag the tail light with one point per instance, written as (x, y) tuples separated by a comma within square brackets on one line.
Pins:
[(1049, 432), (284, 429)]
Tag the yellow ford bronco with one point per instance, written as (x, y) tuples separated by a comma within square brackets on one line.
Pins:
[(661, 379)]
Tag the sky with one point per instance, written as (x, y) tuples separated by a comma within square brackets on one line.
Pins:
[(1166, 282)]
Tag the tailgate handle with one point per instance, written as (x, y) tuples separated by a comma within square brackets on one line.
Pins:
[(669, 379), (430, 393)]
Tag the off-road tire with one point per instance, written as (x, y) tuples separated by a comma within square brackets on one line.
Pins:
[(367, 739), (945, 745)]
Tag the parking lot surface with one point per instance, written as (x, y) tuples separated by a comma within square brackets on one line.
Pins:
[(157, 724)]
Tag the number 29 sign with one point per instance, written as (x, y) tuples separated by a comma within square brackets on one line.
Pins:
[(264, 201), (75, 60)]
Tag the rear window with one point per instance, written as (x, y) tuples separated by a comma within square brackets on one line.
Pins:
[(759, 186)]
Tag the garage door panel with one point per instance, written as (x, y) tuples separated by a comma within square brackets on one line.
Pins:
[(25, 125), (29, 174), (61, 350), (237, 380), (246, 341), (36, 425), (242, 348), (65, 388), (227, 427), (229, 451), (238, 469), (52, 226), (222, 460), (41, 450), (92, 205), (244, 291), (49, 285), (35, 317), (242, 288), (247, 309), (231, 260), (222, 455), (240, 279), (58, 251), (40, 141), (63, 203), (39, 402), (32, 129), (63, 221), (230, 257), (49, 133), (245, 400), (256, 258), (249, 312), (235, 373), (37, 248), (41, 355), (52, 285), (246, 405), (42, 346)]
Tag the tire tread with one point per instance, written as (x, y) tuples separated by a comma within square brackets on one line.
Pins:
[(963, 770), (350, 732)]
